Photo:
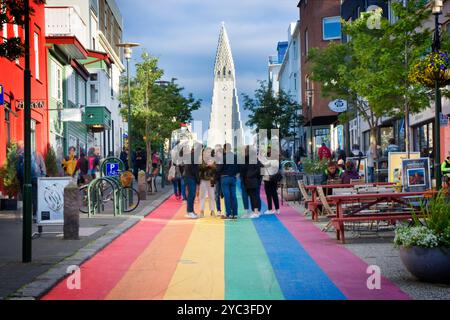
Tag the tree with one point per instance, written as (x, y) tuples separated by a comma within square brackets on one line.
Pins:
[(13, 11), (157, 110), (50, 162), (371, 70), (8, 172), (272, 111)]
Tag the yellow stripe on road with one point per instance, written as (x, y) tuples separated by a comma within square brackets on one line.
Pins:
[(200, 273)]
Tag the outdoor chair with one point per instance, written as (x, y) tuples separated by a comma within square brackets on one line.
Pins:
[(306, 197), (326, 208)]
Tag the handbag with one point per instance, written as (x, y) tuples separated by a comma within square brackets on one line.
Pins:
[(171, 174)]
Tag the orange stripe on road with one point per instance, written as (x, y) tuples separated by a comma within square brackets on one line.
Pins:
[(151, 273)]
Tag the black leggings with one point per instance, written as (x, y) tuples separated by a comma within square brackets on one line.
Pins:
[(255, 199), (271, 193)]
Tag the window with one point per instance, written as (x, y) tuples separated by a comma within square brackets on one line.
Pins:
[(94, 89), (306, 43), (294, 48), (33, 135), (81, 92), (331, 28), (37, 72), (8, 124), (5, 30), (16, 35), (56, 81)]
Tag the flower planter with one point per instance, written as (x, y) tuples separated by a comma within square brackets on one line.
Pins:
[(427, 264), (8, 204)]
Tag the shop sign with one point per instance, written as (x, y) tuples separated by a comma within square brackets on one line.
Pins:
[(338, 105), (37, 104)]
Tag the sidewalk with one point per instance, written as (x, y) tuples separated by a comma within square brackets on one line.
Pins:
[(52, 254)]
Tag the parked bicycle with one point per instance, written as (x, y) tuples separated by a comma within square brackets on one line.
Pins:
[(106, 188)]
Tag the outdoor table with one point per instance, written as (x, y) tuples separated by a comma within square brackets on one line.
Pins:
[(369, 200), (314, 204)]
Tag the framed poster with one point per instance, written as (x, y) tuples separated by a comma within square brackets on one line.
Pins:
[(395, 164), (416, 175), (50, 206)]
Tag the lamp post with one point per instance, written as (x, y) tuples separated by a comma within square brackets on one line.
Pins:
[(310, 93), (437, 11), (127, 46), (27, 187)]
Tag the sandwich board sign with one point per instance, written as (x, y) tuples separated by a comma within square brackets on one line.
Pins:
[(50, 209)]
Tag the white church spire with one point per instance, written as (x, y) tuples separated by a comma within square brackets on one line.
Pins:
[(225, 124)]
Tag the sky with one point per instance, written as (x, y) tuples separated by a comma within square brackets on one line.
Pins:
[(183, 35)]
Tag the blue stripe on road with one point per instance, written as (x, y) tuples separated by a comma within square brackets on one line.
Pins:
[(299, 276)]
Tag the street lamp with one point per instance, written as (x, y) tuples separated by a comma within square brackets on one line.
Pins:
[(437, 11), (127, 46), (310, 93), (27, 186)]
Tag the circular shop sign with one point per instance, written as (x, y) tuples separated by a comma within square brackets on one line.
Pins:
[(338, 105)]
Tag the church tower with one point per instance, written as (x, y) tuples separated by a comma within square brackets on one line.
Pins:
[(225, 124)]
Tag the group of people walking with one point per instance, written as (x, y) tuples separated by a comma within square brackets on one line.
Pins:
[(217, 174)]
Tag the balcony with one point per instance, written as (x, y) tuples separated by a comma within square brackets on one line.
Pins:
[(65, 22)]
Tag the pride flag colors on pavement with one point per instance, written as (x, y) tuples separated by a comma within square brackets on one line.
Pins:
[(167, 256)]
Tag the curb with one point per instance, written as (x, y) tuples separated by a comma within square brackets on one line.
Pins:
[(46, 281)]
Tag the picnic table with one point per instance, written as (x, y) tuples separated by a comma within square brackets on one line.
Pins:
[(314, 203), (368, 200)]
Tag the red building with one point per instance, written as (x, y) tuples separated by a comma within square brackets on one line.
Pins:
[(11, 78)]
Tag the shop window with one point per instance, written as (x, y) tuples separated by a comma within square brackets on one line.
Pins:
[(33, 135), (423, 139), (8, 124), (94, 89), (386, 133)]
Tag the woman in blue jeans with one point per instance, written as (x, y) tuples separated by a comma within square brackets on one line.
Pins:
[(227, 173), (191, 179)]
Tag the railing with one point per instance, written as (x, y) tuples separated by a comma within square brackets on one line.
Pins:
[(65, 21)]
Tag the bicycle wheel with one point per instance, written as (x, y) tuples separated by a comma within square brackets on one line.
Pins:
[(84, 199), (130, 198)]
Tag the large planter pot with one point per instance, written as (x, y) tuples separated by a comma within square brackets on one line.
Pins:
[(8, 204), (429, 265)]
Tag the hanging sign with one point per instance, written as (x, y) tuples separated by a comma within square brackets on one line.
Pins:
[(38, 104), (338, 105), (2, 95), (72, 115), (416, 174)]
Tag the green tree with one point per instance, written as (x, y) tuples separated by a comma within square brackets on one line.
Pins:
[(157, 109), (50, 162), (13, 11), (272, 111), (8, 172), (371, 70)]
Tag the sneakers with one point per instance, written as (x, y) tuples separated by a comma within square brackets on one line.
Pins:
[(192, 215), (254, 216), (246, 215), (213, 214), (233, 217), (202, 214), (277, 211), (269, 212), (224, 217)]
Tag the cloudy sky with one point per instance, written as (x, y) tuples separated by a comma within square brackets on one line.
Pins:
[(183, 34)]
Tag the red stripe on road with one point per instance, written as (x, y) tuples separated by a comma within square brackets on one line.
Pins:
[(101, 273)]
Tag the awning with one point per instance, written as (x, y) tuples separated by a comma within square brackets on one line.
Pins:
[(100, 56), (97, 118), (70, 46)]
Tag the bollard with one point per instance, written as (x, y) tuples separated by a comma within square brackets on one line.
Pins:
[(71, 212), (142, 185)]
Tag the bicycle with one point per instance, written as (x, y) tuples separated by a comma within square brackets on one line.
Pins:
[(130, 196)]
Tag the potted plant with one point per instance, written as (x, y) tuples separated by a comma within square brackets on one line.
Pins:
[(314, 170), (51, 163), (425, 246), (8, 178)]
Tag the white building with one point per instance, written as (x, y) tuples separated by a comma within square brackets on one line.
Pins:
[(225, 124), (97, 25), (288, 77)]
